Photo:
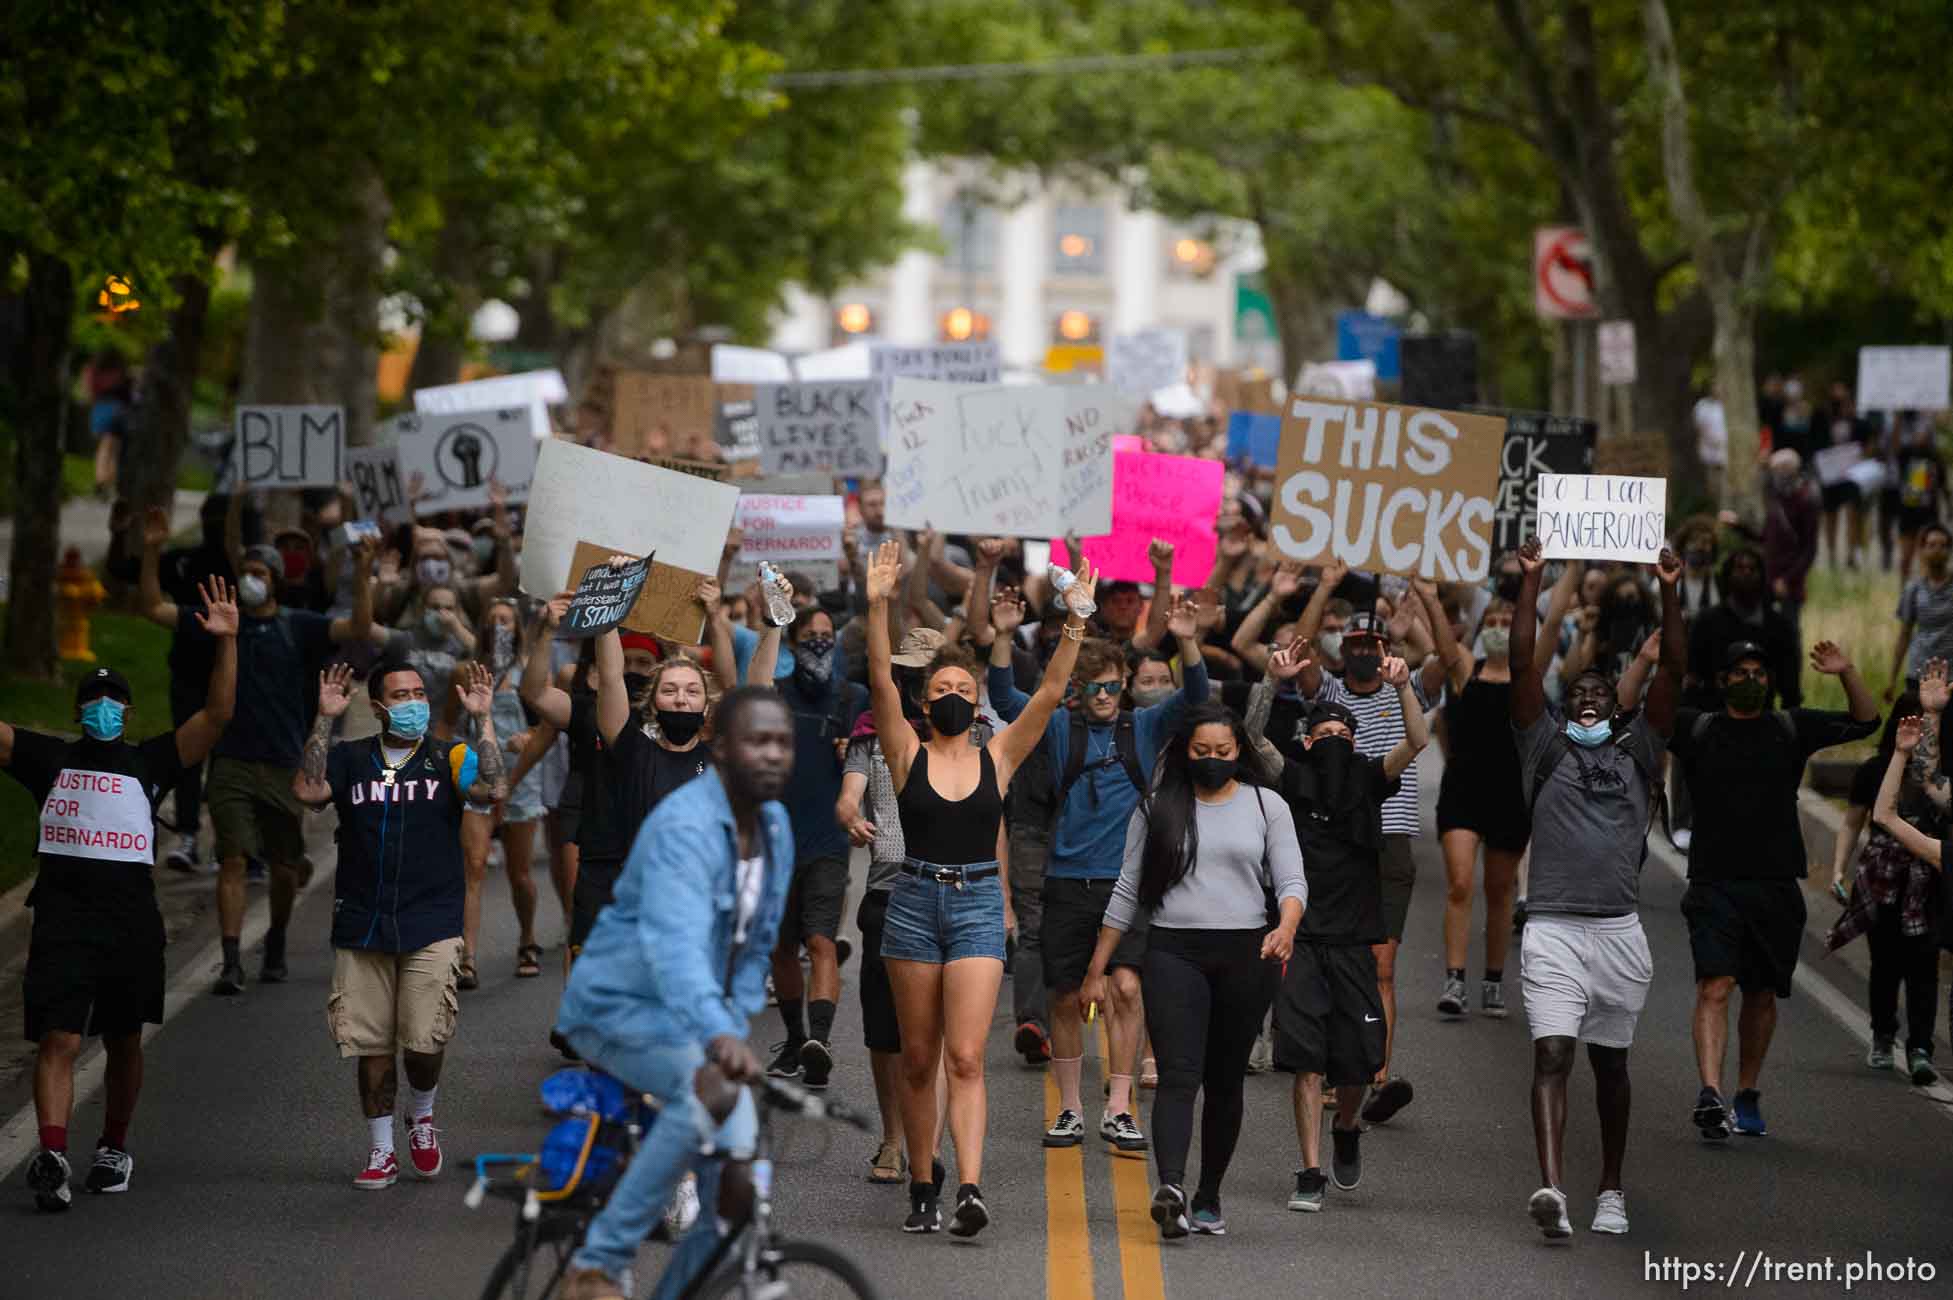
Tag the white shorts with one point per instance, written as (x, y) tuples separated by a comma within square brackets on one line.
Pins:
[(1585, 977)]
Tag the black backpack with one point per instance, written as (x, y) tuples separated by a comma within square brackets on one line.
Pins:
[(1124, 753)]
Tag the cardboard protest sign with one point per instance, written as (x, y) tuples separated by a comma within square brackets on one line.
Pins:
[(457, 456), (378, 490), (798, 534), (637, 509), (706, 469), (1144, 363), (1174, 498), (288, 446), (660, 415), (667, 603), (830, 425), (603, 595), (1254, 438), (949, 363), (1643, 455), (736, 426), (1603, 517), (1903, 379), (984, 461), (536, 389), (1535, 444), (1834, 464), (1391, 489), (1094, 417)]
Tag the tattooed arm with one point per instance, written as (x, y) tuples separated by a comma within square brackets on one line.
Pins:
[(476, 688), (309, 784)]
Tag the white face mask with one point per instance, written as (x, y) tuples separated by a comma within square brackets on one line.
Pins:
[(1331, 643), (253, 590)]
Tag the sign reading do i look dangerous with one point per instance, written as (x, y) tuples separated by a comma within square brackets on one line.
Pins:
[(1603, 517)]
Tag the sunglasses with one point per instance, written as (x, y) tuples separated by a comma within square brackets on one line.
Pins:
[(1090, 690)]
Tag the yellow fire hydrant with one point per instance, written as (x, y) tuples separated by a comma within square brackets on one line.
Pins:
[(76, 593)]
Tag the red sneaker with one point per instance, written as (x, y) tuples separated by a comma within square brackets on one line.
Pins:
[(382, 1170), (424, 1146)]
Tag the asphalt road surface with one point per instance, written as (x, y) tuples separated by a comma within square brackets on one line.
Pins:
[(249, 1133)]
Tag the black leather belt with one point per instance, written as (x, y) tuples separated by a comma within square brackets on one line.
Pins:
[(949, 875)]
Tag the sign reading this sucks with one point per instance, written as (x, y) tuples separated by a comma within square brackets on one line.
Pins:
[(1392, 489)]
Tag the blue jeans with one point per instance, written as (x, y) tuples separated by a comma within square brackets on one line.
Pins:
[(936, 922), (668, 1152)]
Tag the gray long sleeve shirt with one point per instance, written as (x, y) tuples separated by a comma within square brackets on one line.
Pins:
[(1223, 891)]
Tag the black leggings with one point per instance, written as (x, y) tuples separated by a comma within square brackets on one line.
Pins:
[(1206, 992), (1913, 961)]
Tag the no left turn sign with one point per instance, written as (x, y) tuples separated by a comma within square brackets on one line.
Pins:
[(1563, 274)]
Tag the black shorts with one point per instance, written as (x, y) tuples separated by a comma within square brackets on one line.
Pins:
[(92, 974), (1749, 930), (595, 879), (814, 901), (1494, 810), (1329, 1015), (1073, 913), (1837, 495), (1914, 518), (880, 1031), (1396, 878)]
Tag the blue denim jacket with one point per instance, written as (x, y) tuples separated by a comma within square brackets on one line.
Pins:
[(660, 965)]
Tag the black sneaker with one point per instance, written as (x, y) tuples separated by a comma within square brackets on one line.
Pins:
[(1307, 1196), (1348, 1163), (1170, 1212), (1386, 1101), (231, 982), (938, 1175), (1032, 1043), (972, 1215), (816, 1063), (924, 1216), (1711, 1116), (47, 1178), (786, 1061), (274, 970), (111, 1170), (562, 1045), (843, 949)]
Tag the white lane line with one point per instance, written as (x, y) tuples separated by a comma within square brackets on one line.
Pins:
[(1850, 1017)]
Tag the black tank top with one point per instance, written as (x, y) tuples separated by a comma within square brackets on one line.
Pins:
[(950, 832), (1479, 722)]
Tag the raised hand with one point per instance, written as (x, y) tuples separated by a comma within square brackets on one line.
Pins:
[(1651, 648), (335, 690), (1161, 554), (554, 609), (1396, 673), (219, 614), (498, 506), (1334, 570), (736, 539), (1007, 611), (1403, 620), (1532, 556), (621, 561), (475, 687), (1829, 659), (155, 526), (1668, 567), (884, 570), (990, 551), (1934, 688), (1183, 623), (1909, 733), (1286, 664), (707, 593), (851, 542), (1084, 592), (1287, 580)]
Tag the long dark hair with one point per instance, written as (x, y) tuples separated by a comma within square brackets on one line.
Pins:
[(1172, 845)]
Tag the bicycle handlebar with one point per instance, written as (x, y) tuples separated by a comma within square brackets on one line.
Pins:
[(782, 1095)]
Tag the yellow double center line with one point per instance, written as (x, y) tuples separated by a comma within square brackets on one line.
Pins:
[(1068, 1245)]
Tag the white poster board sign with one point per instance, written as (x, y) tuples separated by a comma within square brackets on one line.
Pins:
[(795, 534), (288, 446), (984, 461), (1603, 517), (457, 456), (1903, 379), (949, 363), (849, 361), (1616, 351), (733, 364), (536, 389), (379, 492), (1094, 415), (1834, 464), (640, 509), (1353, 381), (830, 426), (1144, 363)]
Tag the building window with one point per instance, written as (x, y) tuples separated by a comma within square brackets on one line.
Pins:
[(969, 231), (1079, 247), (1075, 327)]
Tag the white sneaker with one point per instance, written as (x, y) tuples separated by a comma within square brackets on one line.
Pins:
[(1548, 1208), (1262, 1058), (1610, 1213), (183, 856), (1068, 1131), (683, 1211)]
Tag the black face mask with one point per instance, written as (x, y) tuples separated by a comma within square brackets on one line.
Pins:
[(679, 728), (1362, 665), (1333, 757), (1213, 773), (636, 684), (951, 715)]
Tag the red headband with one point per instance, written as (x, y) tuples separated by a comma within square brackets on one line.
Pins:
[(639, 641)]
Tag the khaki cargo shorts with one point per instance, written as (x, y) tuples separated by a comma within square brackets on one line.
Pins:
[(385, 1002)]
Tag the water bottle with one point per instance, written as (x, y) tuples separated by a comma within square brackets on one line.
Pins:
[(779, 607), (1064, 580)]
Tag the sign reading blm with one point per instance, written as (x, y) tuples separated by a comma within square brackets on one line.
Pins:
[(1394, 489), (289, 446)]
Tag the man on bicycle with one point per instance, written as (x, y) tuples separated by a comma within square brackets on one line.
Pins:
[(672, 972)]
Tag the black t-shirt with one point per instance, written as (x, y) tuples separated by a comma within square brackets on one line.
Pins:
[(1341, 834), (1743, 775), (1285, 716), (623, 781), (400, 884), (277, 658), (97, 800)]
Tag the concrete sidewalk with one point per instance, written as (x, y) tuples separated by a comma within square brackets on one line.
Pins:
[(85, 523)]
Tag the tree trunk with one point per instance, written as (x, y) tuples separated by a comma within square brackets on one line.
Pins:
[(286, 301), (169, 381), (349, 332), (537, 327), (34, 332)]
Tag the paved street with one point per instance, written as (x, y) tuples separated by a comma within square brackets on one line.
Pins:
[(249, 1134)]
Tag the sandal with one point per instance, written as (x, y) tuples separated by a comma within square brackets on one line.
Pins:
[(1838, 892), (889, 1165), (467, 981), (528, 961)]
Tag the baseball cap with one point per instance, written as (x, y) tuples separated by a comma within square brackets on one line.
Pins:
[(267, 556), (1364, 624), (1741, 650), (103, 681), (919, 647), (1328, 712)]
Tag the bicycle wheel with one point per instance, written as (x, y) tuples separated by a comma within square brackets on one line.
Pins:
[(547, 1263), (793, 1270)]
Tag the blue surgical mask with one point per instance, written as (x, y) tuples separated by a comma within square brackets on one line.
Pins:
[(101, 718), (1590, 737), (408, 721)]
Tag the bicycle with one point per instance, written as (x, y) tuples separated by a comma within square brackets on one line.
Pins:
[(750, 1262)]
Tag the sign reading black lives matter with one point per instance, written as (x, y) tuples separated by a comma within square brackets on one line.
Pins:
[(604, 598), (288, 446), (831, 426), (1535, 444), (458, 455)]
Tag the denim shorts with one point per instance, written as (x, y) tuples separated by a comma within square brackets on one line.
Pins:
[(935, 922)]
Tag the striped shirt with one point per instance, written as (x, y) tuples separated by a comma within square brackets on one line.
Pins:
[(1379, 726)]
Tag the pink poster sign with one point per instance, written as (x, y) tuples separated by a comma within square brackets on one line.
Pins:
[(1174, 498)]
